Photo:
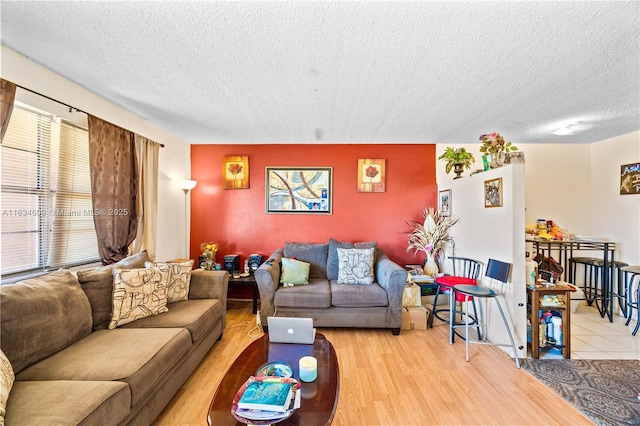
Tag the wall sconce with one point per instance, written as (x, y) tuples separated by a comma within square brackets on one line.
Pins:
[(186, 186)]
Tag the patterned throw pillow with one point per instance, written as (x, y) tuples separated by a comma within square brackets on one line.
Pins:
[(179, 279), (294, 272), (6, 383), (355, 266), (138, 293)]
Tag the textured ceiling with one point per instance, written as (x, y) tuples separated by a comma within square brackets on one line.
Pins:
[(347, 72)]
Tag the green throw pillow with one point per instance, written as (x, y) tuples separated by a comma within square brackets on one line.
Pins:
[(294, 272)]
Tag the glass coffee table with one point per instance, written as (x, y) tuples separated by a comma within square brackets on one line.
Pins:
[(319, 398)]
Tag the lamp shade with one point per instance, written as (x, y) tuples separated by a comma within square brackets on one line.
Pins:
[(187, 185)]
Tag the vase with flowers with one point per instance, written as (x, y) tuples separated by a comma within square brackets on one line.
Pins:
[(431, 237), (494, 146), (209, 252)]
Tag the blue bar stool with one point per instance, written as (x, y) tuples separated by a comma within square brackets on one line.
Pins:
[(632, 285), (497, 272)]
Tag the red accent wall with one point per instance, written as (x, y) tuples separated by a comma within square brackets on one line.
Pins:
[(237, 222)]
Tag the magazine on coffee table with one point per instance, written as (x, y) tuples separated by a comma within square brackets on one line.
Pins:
[(268, 414)]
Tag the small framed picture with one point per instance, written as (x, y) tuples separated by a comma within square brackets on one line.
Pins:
[(371, 176), (515, 157), (235, 172), (493, 192), (444, 202)]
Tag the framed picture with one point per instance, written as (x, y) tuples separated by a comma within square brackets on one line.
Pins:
[(514, 157), (444, 202), (299, 190), (630, 179), (493, 193), (235, 172), (371, 176)]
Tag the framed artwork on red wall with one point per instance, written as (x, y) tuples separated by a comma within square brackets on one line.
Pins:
[(371, 176), (235, 172), (296, 190)]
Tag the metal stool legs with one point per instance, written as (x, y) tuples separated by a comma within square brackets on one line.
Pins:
[(483, 326), (632, 294), (454, 311), (497, 272)]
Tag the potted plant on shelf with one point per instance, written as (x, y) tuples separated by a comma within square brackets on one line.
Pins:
[(494, 146), (431, 237), (457, 159)]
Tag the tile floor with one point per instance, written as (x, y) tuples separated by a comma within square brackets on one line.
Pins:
[(593, 337)]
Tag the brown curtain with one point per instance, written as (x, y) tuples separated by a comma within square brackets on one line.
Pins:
[(114, 188), (147, 152), (7, 95)]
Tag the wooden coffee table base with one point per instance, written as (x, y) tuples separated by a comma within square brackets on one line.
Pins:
[(319, 398)]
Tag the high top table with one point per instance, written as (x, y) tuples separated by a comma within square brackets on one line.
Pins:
[(319, 399), (565, 251)]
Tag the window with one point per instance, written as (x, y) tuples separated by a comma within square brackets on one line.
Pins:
[(46, 194)]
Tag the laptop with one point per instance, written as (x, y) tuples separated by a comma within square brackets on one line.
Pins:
[(291, 330)]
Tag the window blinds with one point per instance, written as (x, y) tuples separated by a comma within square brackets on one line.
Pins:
[(73, 236), (46, 194)]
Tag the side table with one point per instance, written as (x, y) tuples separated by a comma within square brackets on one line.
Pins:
[(250, 280), (537, 305)]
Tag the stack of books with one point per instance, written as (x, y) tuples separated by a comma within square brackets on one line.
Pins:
[(265, 398)]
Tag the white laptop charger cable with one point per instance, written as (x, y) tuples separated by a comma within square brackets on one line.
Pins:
[(257, 328)]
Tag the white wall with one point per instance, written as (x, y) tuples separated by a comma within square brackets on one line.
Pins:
[(615, 216), (175, 161), (498, 233), (577, 186)]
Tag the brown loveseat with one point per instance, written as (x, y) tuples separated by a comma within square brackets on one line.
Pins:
[(327, 301), (70, 369)]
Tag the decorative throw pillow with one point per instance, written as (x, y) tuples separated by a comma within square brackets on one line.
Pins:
[(294, 272), (6, 383), (179, 279), (138, 293), (332, 259), (355, 266), (315, 254)]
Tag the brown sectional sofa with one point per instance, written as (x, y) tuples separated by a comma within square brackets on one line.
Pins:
[(71, 370)]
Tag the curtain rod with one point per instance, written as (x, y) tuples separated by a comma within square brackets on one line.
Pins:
[(71, 108)]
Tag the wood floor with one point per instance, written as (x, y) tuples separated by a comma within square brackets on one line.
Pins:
[(415, 378)]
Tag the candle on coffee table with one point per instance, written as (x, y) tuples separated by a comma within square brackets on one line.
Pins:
[(308, 366)]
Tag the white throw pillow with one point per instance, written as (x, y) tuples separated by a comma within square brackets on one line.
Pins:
[(355, 266), (6, 383), (138, 293)]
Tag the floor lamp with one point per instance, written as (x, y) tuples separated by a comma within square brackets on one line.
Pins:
[(186, 186)]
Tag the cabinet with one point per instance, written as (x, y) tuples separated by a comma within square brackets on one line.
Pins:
[(548, 301)]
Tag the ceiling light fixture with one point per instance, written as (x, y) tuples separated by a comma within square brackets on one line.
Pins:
[(573, 129)]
